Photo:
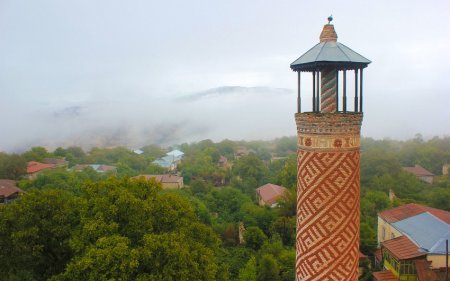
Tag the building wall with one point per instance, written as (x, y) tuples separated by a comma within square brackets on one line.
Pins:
[(437, 261), (427, 179), (390, 232), (172, 185), (328, 189)]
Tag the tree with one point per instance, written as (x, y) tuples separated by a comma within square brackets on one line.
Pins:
[(285, 227), (36, 153), (170, 256), (109, 259), (12, 166), (254, 238), (251, 166), (268, 269), (287, 205), (287, 176), (248, 273), (286, 261), (35, 234), (440, 198)]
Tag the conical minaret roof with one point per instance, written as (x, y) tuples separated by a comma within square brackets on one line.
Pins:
[(329, 52)]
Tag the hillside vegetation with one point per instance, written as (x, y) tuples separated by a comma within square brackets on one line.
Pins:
[(98, 226)]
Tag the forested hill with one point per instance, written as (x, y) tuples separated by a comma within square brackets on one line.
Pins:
[(85, 225)]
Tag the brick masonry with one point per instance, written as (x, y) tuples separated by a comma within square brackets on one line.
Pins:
[(328, 189)]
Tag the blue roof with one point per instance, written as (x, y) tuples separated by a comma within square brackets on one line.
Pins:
[(175, 153), (426, 231)]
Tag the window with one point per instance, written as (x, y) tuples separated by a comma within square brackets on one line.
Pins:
[(383, 233), (392, 235)]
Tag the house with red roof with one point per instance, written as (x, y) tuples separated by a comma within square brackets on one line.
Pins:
[(167, 181), (34, 168), (421, 173), (412, 243), (269, 194), (8, 191)]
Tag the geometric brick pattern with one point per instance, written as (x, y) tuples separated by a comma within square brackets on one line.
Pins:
[(328, 90), (328, 186), (328, 216)]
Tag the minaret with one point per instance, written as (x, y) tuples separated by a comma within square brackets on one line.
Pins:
[(328, 180)]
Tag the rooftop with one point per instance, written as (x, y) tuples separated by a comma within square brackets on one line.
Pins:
[(402, 248), (329, 52), (410, 210), (426, 231), (33, 167), (418, 171), (175, 153), (8, 188), (96, 167), (384, 276), (270, 192), (161, 178)]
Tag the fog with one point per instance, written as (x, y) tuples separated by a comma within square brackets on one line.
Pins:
[(107, 73)]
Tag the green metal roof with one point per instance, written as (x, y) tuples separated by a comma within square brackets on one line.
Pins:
[(329, 53)]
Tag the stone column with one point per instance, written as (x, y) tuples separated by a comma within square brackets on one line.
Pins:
[(328, 186)]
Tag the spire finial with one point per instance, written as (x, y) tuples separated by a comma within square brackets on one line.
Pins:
[(330, 18)]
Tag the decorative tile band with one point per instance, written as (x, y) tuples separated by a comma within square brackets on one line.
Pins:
[(337, 123)]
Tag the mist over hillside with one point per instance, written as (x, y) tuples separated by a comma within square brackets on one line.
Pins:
[(217, 113)]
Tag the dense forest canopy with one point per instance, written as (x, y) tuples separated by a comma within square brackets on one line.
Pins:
[(86, 225)]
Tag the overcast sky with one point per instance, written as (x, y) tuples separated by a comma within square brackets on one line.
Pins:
[(109, 72)]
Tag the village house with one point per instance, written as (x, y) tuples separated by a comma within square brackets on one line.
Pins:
[(170, 160), (412, 243), (421, 173), (167, 181), (96, 167), (34, 168), (8, 191), (223, 162), (243, 151), (269, 194), (58, 162)]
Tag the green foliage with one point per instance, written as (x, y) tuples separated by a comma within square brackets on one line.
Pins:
[(254, 238), (36, 153), (285, 228), (82, 226), (440, 198), (248, 273), (251, 167), (35, 231), (287, 176), (227, 203), (286, 261), (62, 179), (268, 269), (254, 215), (170, 256), (236, 258), (153, 151), (287, 205), (200, 187), (109, 259), (12, 166)]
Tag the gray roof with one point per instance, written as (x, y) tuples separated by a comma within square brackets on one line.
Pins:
[(329, 53), (426, 231)]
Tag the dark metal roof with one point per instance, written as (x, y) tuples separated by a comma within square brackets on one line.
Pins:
[(329, 53)]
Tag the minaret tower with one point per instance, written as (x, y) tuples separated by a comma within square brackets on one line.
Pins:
[(328, 159)]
